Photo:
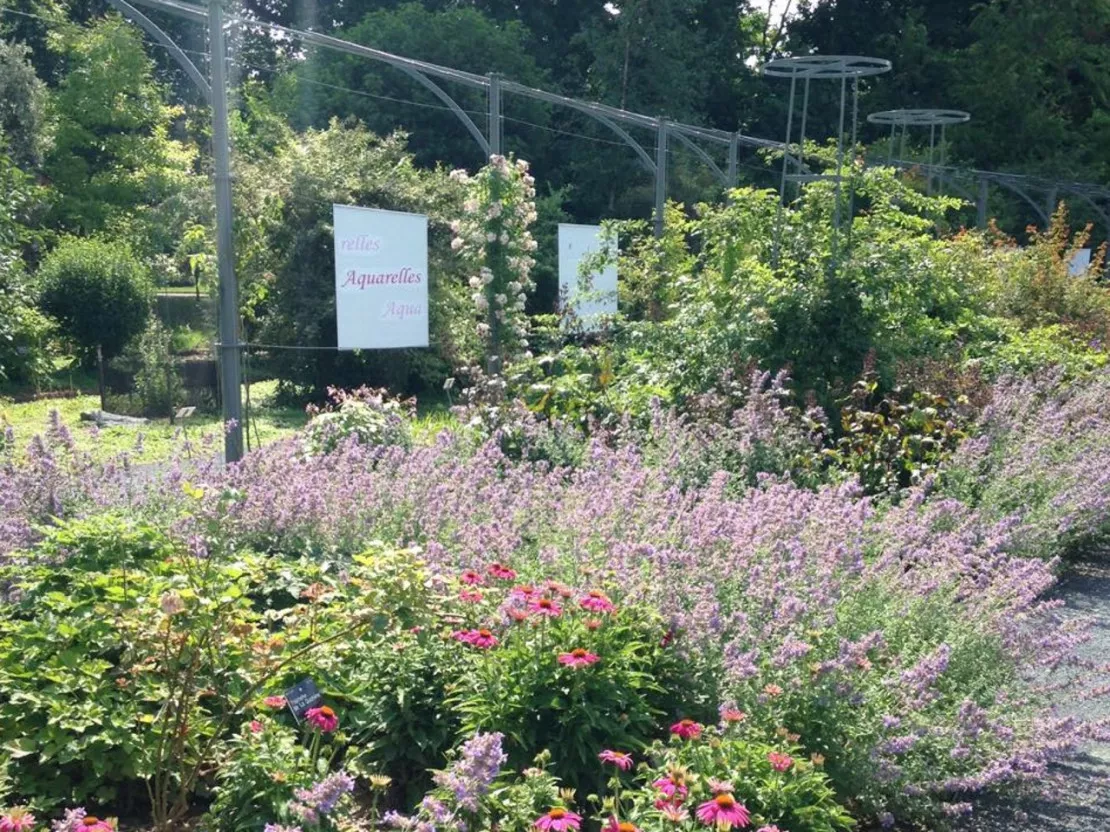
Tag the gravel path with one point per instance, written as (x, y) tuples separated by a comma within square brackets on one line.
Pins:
[(1082, 802)]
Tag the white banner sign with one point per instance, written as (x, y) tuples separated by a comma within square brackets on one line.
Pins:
[(381, 278), (588, 297), (1080, 262)]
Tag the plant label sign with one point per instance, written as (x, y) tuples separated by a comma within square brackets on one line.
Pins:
[(586, 296), (301, 697), (381, 278)]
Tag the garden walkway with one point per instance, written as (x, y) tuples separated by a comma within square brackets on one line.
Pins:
[(1082, 801)]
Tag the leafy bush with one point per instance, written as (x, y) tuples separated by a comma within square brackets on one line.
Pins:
[(366, 416), (157, 381), (1019, 352), (98, 292), (896, 441)]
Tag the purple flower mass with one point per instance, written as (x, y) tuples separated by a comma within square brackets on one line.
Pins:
[(469, 777), (832, 597)]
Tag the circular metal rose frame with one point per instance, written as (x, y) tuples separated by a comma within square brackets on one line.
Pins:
[(919, 118), (826, 66)]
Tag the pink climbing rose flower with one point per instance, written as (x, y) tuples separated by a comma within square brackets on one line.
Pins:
[(558, 819)]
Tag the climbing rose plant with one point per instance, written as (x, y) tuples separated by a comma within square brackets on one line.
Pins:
[(493, 240)]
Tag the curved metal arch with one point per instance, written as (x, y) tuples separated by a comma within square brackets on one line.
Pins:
[(648, 164), (1098, 209), (155, 31), (951, 181), (703, 156), (1011, 186), (442, 95)]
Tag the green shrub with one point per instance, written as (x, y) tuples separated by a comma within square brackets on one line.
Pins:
[(1026, 352), (365, 416), (98, 292)]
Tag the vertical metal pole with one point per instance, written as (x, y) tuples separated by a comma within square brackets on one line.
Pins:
[(229, 291), (890, 150), (943, 158), (782, 182), (802, 135), (786, 144), (929, 175), (981, 206), (494, 114), (660, 176), (733, 151), (839, 156), (902, 146), (1051, 207), (852, 159)]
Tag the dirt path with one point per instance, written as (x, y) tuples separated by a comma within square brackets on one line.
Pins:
[(1082, 802)]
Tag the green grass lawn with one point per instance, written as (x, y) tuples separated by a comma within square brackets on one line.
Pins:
[(161, 440)]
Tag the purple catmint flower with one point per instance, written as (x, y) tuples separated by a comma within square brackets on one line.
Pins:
[(470, 776), (70, 821), (322, 798)]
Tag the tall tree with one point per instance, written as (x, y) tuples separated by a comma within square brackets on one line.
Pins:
[(112, 154), (22, 106)]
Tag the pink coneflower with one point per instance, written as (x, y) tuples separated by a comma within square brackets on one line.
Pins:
[(558, 819), (256, 728), (773, 690), (686, 729), (18, 819), (620, 826), (578, 658), (275, 702), (323, 718), (732, 715), (771, 828), (597, 601), (620, 759), (471, 596), (518, 615), (673, 812), (556, 588), (93, 824), (482, 638), (780, 761), (593, 624), (545, 606), (502, 573), (471, 577), (524, 591), (673, 790), (724, 812)]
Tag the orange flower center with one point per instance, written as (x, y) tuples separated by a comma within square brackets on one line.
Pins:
[(578, 653), (596, 593), (557, 814), (527, 589), (546, 603), (725, 801), (326, 711), (626, 827), (90, 821), (686, 723), (485, 633)]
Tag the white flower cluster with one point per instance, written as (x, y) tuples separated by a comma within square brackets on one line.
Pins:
[(493, 238)]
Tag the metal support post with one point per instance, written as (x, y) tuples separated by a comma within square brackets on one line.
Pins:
[(494, 114), (1050, 206), (660, 176), (981, 204), (230, 374), (733, 153), (839, 159)]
